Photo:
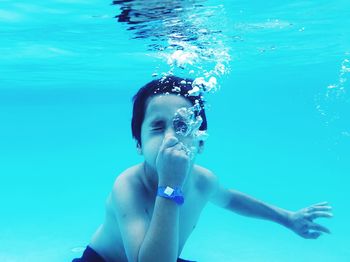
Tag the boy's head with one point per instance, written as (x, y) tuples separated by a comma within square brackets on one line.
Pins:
[(166, 85)]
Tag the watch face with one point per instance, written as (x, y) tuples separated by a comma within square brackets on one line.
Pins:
[(168, 191)]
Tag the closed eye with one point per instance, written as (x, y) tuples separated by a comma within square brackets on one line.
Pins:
[(157, 128)]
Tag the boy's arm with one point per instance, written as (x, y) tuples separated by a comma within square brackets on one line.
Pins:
[(146, 239), (301, 221)]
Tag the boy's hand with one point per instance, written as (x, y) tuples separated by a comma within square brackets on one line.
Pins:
[(301, 221), (172, 163)]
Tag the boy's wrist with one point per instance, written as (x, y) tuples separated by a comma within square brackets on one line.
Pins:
[(285, 218), (172, 193), (173, 184)]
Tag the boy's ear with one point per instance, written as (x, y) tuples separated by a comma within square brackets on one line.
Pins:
[(200, 146), (139, 148)]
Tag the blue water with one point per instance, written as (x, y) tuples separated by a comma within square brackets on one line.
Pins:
[(277, 131)]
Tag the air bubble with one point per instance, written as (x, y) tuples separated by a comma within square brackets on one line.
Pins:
[(185, 121), (176, 89)]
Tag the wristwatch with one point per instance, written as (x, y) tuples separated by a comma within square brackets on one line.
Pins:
[(174, 194)]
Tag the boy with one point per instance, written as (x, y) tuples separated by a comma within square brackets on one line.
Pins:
[(154, 206)]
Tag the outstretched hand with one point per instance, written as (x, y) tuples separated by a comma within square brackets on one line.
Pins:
[(302, 221)]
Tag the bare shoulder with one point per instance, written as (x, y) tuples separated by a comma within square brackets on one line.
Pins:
[(126, 185), (128, 176), (206, 181)]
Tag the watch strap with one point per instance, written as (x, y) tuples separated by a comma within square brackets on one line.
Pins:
[(174, 194)]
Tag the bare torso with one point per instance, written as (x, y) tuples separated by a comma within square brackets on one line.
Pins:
[(107, 240)]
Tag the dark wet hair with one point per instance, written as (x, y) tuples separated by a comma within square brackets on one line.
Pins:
[(165, 85)]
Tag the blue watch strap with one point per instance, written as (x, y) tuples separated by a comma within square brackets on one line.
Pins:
[(174, 194)]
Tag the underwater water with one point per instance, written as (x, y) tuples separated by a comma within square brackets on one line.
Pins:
[(278, 125)]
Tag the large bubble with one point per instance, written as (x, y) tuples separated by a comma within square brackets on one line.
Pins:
[(187, 122)]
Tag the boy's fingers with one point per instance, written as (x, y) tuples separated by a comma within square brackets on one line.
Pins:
[(324, 203), (311, 235), (318, 227), (318, 214), (320, 208)]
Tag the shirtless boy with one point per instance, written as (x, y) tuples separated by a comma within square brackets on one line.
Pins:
[(154, 206)]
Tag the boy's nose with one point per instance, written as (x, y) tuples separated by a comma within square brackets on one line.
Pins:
[(170, 132)]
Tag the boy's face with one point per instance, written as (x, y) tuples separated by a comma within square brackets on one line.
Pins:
[(158, 123)]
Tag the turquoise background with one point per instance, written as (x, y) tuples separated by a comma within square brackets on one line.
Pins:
[(68, 71)]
